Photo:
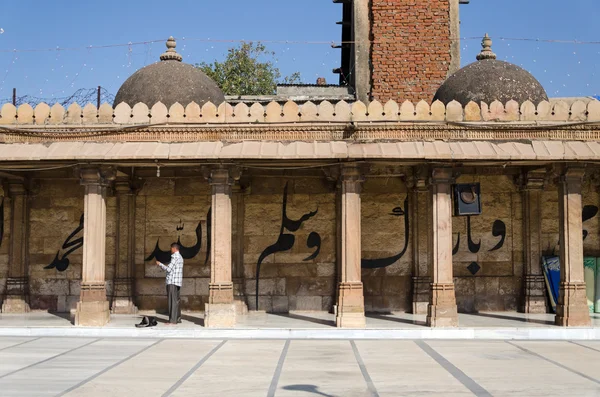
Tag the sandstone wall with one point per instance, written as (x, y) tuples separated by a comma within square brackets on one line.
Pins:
[(162, 206), (488, 275), (288, 281), (56, 207)]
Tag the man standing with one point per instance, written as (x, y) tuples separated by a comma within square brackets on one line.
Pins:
[(174, 279)]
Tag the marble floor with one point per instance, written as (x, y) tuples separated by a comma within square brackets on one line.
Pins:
[(300, 320), (93, 367)]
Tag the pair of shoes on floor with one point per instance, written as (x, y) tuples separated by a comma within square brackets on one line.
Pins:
[(147, 321)]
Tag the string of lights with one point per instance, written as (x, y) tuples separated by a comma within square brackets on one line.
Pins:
[(209, 40)]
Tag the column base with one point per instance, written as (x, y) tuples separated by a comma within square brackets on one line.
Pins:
[(572, 309), (123, 305), (219, 315), (17, 296), (420, 295), (239, 299), (442, 311), (241, 308), (122, 301), (534, 301), (92, 314), (16, 304), (350, 312)]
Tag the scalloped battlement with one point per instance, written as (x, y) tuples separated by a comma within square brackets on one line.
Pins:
[(291, 112)]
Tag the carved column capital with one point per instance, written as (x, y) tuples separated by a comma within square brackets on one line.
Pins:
[(572, 175), (533, 180), (222, 175), (419, 180), (101, 176), (16, 188), (441, 176), (123, 188)]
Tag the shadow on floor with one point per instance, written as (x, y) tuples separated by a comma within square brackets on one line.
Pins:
[(520, 319), (381, 316), (65, 316), (295, 316), (308, 389), (192, 319)]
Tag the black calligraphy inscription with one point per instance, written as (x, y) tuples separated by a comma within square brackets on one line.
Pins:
[(499, 229), (186, 252), (457, 246), (473, 247), (313, 241), (588, 212), (61, 262), (286, 241), (474, 268), (385, 262)]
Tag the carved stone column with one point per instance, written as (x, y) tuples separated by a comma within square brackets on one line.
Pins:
[(93, 308), (420, 204), (442, 311), (238, 200), (534, 287), (351, 303), (17, 284), (124, 282), (571, 309), (220, 309)]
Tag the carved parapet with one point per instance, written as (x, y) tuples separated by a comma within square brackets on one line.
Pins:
[(292, 112)]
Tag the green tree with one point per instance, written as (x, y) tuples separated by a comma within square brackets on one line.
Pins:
[(247, 70)]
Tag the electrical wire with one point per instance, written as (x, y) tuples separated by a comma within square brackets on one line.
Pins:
[(270, 41)]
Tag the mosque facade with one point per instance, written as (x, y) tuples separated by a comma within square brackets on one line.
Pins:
[(436, 190)]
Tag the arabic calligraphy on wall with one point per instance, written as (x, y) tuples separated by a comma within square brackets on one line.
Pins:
[(498, 230), (71, 244), (185, 251), (385, 262), (286, 241), (589, 212)]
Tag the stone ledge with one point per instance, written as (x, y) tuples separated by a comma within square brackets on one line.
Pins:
[(292, 112), (554, 333)]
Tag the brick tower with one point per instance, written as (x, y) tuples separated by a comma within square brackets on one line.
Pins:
[(401, 49)]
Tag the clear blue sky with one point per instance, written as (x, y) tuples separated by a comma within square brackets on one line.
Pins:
[(563, 69)]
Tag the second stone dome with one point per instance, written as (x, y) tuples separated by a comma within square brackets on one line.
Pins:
[(488, 80)]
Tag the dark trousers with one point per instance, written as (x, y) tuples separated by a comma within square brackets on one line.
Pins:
[(174, 299)]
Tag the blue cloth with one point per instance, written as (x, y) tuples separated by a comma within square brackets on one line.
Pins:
[(551, 267)]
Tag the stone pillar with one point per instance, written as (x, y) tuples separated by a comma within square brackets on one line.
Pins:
[(93, 308), (220, 309), (124, 282), (238, 199), (442, 311), (17, 284), (534, 287), (351, 302), (419, 212), (571, 309)]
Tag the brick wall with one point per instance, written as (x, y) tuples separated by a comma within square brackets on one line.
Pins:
[(411, 53)]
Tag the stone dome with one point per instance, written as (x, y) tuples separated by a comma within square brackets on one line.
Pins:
[(169, 81), (488, 80)]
